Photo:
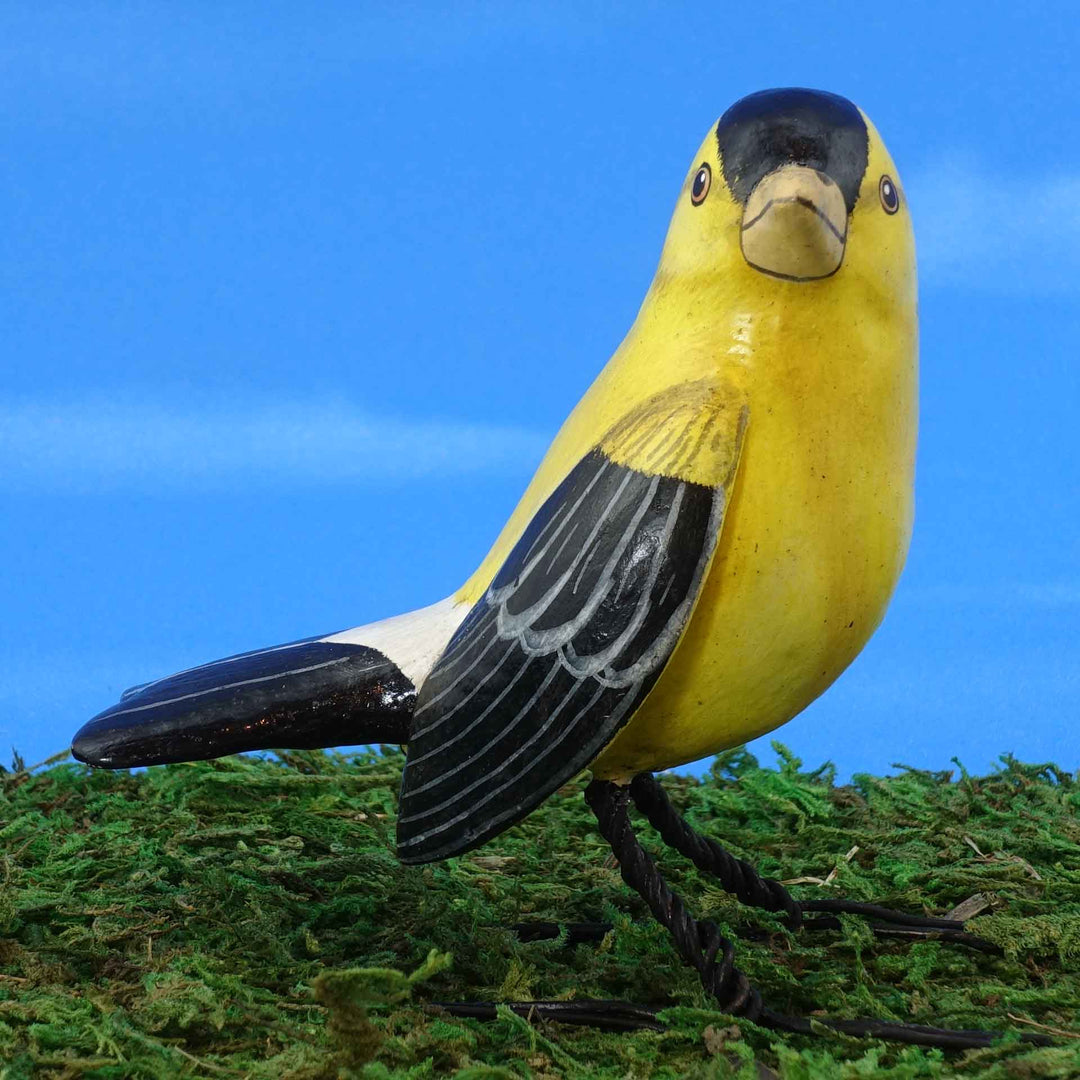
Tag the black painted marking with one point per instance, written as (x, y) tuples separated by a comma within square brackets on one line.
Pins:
[(301, 696), (588, 625), (793, 127)]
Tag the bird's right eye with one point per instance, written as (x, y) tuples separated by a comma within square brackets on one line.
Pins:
[(890, 197), (702, 182)]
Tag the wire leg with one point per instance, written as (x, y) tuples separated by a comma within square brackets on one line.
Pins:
[(744, 882), (703, 947), (736, 876), (699, 943)]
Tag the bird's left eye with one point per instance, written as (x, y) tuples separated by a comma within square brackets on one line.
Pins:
[(702, 182), (890, 197)]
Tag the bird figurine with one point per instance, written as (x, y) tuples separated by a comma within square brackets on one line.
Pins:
[(712, 537)]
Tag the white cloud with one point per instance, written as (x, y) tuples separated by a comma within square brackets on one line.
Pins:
[(997, 232), (100, 445)]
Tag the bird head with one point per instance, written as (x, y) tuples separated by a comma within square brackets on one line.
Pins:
[(795, 186)]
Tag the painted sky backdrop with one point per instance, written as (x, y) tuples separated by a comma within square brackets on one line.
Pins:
[(293, 297)]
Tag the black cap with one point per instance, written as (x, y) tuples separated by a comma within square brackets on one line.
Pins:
[(793, 126)]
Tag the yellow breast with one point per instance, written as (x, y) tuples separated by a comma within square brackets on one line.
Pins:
[(813, 541)]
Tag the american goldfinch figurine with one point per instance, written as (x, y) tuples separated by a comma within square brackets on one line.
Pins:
[(712, 537)]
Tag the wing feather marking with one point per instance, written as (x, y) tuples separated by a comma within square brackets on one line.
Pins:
[(663, 434), (544, 641), (466, 699), (498, 819), (564, 513), (561, 549), (597, 661), (461, 642), (530, 563), (695, 451), (457, 737), (522, 712), (667, 589), (647, 433), (508, 623), (461, 675), (666, 639)]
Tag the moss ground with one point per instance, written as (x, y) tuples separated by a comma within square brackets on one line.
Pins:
[(247, 918)]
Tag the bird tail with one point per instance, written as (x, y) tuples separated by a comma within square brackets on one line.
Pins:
[(356, 686)]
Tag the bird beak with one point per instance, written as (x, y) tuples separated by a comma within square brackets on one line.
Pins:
[(795, 224)]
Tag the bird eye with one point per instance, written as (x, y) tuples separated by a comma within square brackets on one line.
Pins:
[(702, 181), (890, 197)]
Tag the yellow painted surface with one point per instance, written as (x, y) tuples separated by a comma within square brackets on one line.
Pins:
[(823, 374)]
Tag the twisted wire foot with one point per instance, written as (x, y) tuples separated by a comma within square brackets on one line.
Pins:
[(699, 943)]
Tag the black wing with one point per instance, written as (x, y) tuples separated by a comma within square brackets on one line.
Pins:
[(571, 635)]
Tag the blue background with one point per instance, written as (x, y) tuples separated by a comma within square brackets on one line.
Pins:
[(294, 296)]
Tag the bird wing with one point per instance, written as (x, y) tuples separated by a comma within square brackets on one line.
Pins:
[(576, 626)]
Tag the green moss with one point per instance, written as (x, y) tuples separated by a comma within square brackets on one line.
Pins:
[(247, 917)]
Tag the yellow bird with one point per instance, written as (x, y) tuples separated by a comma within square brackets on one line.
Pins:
[(712, 537)]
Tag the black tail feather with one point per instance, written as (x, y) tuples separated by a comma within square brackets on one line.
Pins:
[(300, 696)]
